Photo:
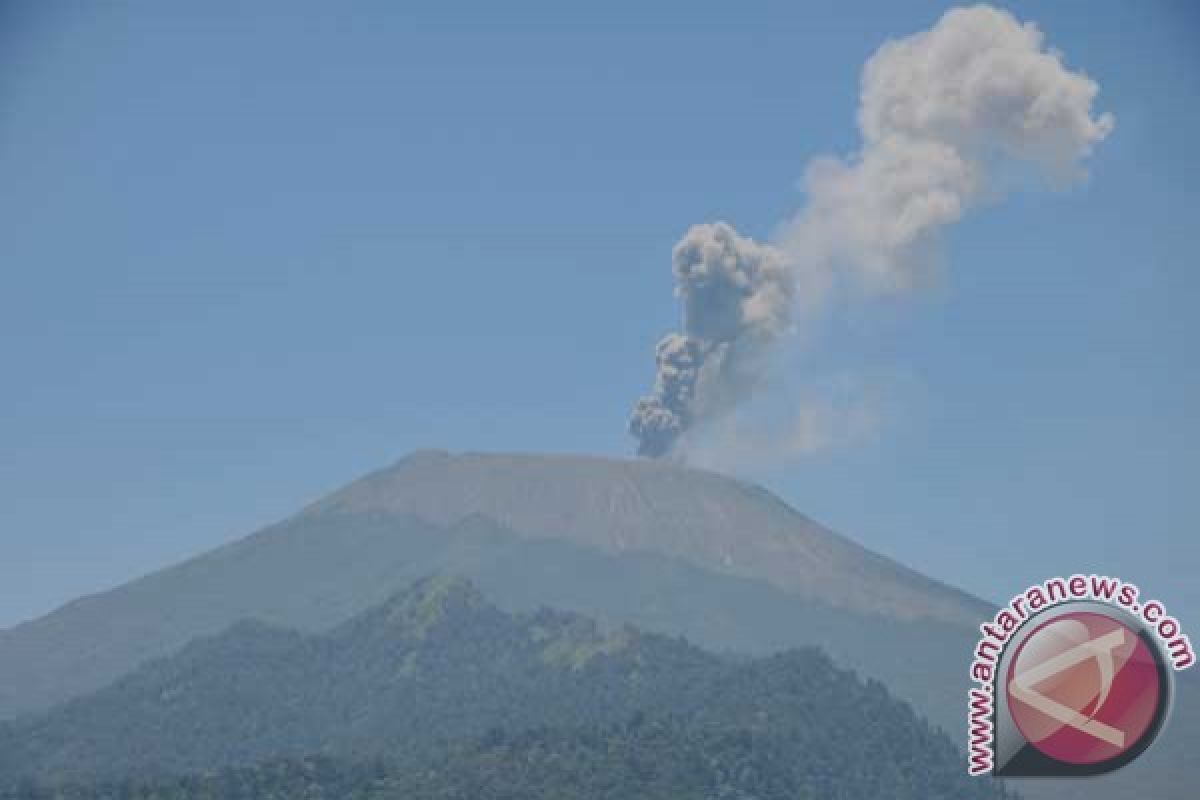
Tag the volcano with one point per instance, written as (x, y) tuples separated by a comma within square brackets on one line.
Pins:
[(670, 549)]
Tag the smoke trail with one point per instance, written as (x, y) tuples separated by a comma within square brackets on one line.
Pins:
[(943, 114)]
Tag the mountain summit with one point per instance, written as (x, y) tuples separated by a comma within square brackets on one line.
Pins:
[(613, 505)]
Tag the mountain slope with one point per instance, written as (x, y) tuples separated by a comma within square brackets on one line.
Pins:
[(437, 663), (371, 538), (700, 517), (644, 759)]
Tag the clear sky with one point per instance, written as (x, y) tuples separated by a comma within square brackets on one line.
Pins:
[(253, 250)]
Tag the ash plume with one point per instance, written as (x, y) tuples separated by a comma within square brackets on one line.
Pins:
[(737, 300), (948, 117)]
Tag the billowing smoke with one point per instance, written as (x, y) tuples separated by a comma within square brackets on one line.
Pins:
[(947, 116), (737, 300)]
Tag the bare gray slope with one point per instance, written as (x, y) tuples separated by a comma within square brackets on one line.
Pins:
[(617, 506)]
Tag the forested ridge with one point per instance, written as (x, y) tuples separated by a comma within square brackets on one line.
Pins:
[(438, 694)]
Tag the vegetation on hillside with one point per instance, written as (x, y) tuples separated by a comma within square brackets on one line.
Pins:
[(438, 694)]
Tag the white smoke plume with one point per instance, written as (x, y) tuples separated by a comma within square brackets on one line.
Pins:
[(946, 116)]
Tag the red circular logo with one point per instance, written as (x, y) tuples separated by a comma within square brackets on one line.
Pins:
[(1084, 688)]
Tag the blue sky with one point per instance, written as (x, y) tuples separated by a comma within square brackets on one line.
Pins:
[(251, 251)]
